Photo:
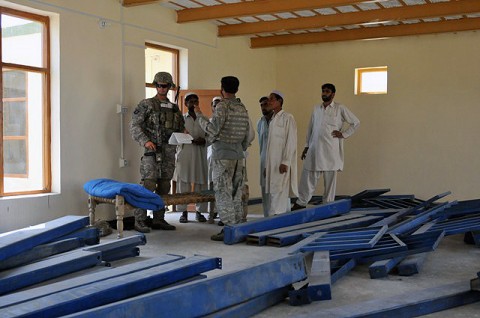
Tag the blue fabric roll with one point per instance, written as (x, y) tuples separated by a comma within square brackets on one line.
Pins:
[(134, 194)]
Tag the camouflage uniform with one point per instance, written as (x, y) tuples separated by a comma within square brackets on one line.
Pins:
[(229, 128), (154, 120)]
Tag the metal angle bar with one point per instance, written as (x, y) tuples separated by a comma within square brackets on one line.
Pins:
[(114, 289), (90, 235), (253, 306), (319, 280), (41, 291), (343, 270), (368, 194), (393, 218), (41, 251), (380, 269), (415, 247), (134, 240), (260, 238), (283, 239), (41, 271), (464, 208), (115, 255), (16, 242), (238, 232), (417, 221), (388, 244), (325, 242), (196, 297)]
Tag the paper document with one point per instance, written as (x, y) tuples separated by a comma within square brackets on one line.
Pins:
[(180, 139)]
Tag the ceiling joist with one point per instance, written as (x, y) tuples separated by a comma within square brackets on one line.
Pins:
[(367, 33), (394, 14), (255, 8), (131, 3)]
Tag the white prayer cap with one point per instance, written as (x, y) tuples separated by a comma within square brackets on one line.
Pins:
[(216, 98), (189, 94), (277, 92)]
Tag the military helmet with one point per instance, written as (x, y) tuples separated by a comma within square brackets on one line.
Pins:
[(163, 77)]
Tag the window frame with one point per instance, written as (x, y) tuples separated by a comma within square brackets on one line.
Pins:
[(45, 71), (358, 79), (176, 63)]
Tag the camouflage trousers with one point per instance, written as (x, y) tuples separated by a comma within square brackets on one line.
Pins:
[(228, 181), (156, 176)]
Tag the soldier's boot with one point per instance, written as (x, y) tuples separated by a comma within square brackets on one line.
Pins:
[(140, 221), (159, 222), (211, 217)]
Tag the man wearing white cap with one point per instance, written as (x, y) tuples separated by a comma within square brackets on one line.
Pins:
[(330, 124), (281, 158)]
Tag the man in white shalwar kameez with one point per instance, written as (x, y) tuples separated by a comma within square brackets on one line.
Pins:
[(262, 129), (331, 122), (192, 166), (281, 158)]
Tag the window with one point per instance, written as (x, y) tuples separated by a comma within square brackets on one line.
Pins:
[(160, 59), (25, 124), (371, 80)]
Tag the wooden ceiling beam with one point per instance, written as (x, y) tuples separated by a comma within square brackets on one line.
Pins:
[(131, 3), (367, 33), (255, 8), (394, 14)]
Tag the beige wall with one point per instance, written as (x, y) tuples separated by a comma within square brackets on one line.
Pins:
[(420, 138), (99, 68)]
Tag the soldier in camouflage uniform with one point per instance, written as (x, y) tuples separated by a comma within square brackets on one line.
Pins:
[(153, 122), (229, 130)]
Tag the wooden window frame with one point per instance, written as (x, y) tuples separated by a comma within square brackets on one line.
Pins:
[(358, 79), (45, 71), (176, 62)]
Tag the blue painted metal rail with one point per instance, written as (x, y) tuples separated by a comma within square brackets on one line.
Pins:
[(238, 232), (195, 298)]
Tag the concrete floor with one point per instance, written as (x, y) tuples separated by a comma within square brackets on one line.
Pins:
[(454, 261)]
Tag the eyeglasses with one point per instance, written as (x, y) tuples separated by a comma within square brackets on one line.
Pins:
[(163, 85)]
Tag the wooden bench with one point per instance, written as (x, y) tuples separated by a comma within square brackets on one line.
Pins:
[(121, 206)]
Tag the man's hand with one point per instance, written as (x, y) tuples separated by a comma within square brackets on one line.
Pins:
[(283, 168), (304, 153), (150, 145), (337, 134)]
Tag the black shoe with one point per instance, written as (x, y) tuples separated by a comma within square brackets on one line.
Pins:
[(220, 223), (297, 207), (200, 218), (217, 237), (184, 217), (162, 225)]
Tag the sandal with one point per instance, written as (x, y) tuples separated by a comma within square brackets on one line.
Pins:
[(184, 217), (200, 218)]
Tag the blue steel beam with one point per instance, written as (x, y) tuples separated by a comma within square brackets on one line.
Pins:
[(37, 292), (252, 306), (195, 299), (52, 267), (90, 235), (238, 232), (41, 251), (19, 241), (380, 269), (112, 290)]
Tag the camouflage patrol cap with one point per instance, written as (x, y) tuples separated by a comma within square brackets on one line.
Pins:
[(163, 77)]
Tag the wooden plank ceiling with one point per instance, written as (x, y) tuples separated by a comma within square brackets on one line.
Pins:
[(271, 23)]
